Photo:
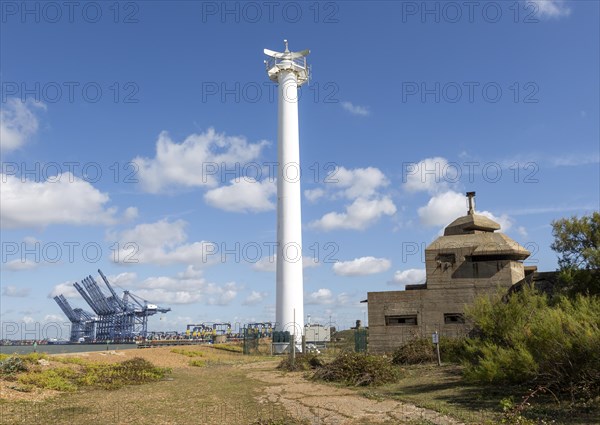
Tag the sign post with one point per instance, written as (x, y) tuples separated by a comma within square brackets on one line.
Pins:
[(435, 338)]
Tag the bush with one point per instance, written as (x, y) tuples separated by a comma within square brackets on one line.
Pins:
[(130, 372), (11, 366), (112, 376), (526, 340), (302, 362), (415, 351), (358, 369), (197, 363), (452, 350), (59, 379)]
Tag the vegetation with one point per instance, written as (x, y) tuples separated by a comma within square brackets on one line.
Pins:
[(526, 340), (197, 363), (27, 371), (134, 371), (358, 369), (60, 379), (228, 347), (415, 351), (302, 362), (11, 366), (188, 353), (577, 241)]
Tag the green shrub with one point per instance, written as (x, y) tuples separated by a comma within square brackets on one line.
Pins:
[(11, 366), (526, 340), (197, 363), (130, 372), (452, 350), (358, 369), (60, 379), (500, 364)]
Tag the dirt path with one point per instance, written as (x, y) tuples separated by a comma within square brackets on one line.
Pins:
[(322, 404)]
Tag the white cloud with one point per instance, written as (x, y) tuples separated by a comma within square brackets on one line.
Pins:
[(255, 297), (551, 8), (362, 111), (123, 279), (55, 318), (428, 175), (443, 208), (13, 291), (356, 183), (65, 288), (350, 184), (162, 243), (243, 195), (18, 122), (198, 161), (575, 160), (522, 231), (269, 264), (361, 266), (222, 295), (408, 277), (361, 185), (187, 287), (313, 195), (23, 264), (504, 220), (266, 264), (62, 199), (321, 296), (343, 299), (359, 215), (130, 213)]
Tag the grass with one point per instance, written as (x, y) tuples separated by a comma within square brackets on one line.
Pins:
[(220, 394), (197, 363), (26, 370), (188, 353), (59, 379), (228, 347)]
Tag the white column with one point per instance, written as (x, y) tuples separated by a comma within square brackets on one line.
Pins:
[(290, 292)]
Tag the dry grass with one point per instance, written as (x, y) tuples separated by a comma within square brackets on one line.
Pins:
[(218, 393)]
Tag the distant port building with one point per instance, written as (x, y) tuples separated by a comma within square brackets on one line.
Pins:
[(470, 259)]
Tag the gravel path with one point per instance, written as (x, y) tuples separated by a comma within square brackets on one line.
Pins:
[(323, 404)]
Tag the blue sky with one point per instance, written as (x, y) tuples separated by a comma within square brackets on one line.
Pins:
[(123, 128)]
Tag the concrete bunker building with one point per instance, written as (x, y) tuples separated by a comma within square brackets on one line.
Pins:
[(470, 259)]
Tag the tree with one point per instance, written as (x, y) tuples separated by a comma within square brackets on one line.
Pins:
[(577, 241)]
